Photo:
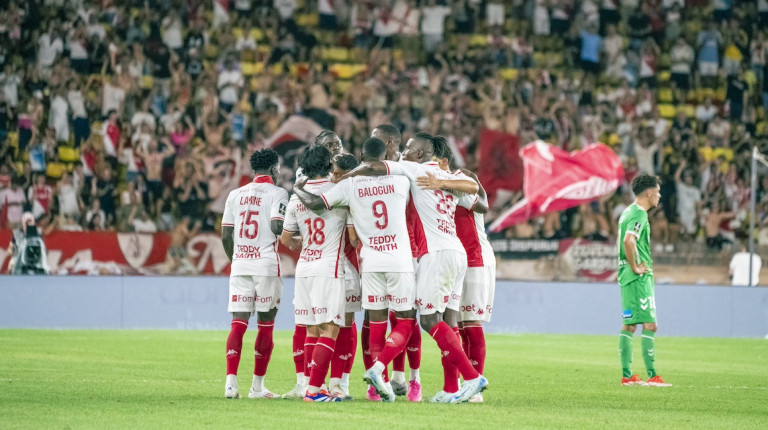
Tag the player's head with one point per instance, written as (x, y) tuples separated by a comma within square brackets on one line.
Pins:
[(330, 141), (266, 162), (342, 164), (647, 188), (419, 148), (315, 162), (374, 149), (390, 135), (443, 154)]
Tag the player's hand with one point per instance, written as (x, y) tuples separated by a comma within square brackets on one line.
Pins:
[(294, 244), (429, 182), (641, 269), (301, 182)]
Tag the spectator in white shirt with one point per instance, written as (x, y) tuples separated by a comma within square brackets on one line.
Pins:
[(739, 268), (285, 8), (49, 47), (172, 31), (681, 55), (705, 112), (58, 115), (433, 25), (494, 13), (229, 84)]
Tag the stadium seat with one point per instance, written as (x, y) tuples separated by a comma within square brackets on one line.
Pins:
[(667, 111), (307, 20), (342, 87), (664, 76), (247, 68), (762, 128), (55, 170), (509, 74), (347, 71), (147, 82), (665, 95), (689, 110), (13, 139), (68, 155), (335, 54), (477, 40)]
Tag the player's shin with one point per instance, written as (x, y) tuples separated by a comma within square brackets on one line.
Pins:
[(625, 352), (321, 359), (450, 347), (396, 342), (475, 339), (299, 333), (235, 345), (263, 347), (647, 343)]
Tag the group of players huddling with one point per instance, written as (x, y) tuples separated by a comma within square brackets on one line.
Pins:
[(394, 234)]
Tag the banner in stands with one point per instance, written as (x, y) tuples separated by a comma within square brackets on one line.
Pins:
[(108, 253), (500, 166), (291, 137), (556, 180), (522, 249), (589, 260)]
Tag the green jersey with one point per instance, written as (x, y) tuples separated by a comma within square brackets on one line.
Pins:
[(634, 221)]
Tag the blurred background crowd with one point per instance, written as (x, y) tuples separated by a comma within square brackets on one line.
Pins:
[(135, 115)]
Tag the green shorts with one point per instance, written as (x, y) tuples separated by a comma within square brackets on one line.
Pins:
[(638, 303)]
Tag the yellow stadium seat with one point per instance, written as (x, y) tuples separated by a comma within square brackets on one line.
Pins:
[(68, 155), (666, 110), (720, 94), (13, 139), (689, 110), (307, 20), (248, 69), (342, 87), (664, 76), (211, 52), (257, 34), (55, 170), (665, 95), (762, 128), (347, 71), (147, 82), (478, 40), (726, 153), (760, 113), (335, 54), (509, 74)]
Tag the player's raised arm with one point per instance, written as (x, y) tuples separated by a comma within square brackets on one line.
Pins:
[(432, 182), (311, 201), (481, 206), (368, 168)]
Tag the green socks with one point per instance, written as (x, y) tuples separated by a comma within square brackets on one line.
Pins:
[(625, 352), (649, 354)]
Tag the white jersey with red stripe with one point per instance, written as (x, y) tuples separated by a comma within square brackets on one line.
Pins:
[(432, 212), (377, 207), (323, 234), (470, 227), (249, 210)]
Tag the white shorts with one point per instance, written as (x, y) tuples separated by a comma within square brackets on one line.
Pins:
[(351, 288), (395, 291), (254, 293), (477, 298), (440, 280), (318, 300)]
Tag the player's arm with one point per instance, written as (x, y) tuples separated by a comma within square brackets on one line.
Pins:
[(369, 168), (481, 206), (311, 201), (277, 213), (432, 182), (228, 240), (354, 239), (290, 227), (629, 250), (290, 241)]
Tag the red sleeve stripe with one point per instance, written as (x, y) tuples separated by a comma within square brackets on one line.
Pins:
[(276, 217), (386, 163), (227, 225), (327, 206)]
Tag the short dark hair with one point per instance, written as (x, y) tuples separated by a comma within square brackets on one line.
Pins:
[(442, 150), (315, 161), (426, 137), (264, 160), (644, 182), (390, 132), (323, 134), (346, 161), (373, 147)]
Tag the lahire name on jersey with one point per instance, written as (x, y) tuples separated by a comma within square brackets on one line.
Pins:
[(250, 200), (446, 227), (375, 191), (383, 243), (247, 252)]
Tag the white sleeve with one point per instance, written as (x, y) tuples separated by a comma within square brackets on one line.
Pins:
[(228, 219), (404, 168), (277, 211), (467, 201), (291, 224), (339, 195)]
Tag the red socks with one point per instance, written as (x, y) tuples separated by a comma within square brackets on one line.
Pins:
[(475, 347), (299, 333), (397, 340), (348, 364), (464, 341), (321, 358), (365, 337), (235, 345), (263, 348), (413, 349), (343, 352), (398, 363), (450, 375), (450, 347), (377, 339), (309, 349)]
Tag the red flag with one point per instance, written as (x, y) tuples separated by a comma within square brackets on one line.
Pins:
[(500, 166), (555, 180)]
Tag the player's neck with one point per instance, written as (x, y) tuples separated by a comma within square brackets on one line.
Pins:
[(643, 204)]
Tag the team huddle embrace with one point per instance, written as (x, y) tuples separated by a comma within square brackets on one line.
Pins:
[(399, 236)]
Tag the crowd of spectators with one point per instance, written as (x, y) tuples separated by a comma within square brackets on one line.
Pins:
[(134, 115)]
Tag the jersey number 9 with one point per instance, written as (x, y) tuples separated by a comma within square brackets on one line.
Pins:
[(379, 209)]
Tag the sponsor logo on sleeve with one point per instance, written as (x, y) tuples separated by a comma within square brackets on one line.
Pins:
[(281, 210), (637, 227)]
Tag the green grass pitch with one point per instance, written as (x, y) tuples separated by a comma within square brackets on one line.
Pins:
[(175, 379)]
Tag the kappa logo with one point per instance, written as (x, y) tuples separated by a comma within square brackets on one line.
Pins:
[(338, 317), (311, 364), (429, 306), (232, 352), (366, 352), (473, 362), (298, 352), (256, 353), (445, 353), (390, 340), (480, 312), (412, 349), (417, 303), (345, 357)]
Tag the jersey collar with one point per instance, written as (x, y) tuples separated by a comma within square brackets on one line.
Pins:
[(263, 179)]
